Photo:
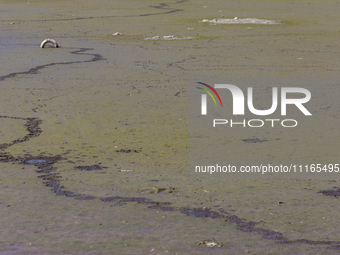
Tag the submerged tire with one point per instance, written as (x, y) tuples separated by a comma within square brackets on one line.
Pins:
[(55, 44)]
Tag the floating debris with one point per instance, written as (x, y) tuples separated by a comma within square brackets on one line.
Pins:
[(236, 20), (210, 244), (168, 37), (55, 44), (117, 33)]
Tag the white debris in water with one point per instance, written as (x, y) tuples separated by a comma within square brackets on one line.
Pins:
[(237, 20), (117, 33), (168, 37), (210, 244)]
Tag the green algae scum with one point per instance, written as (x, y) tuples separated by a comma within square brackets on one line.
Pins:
[(95, 134)]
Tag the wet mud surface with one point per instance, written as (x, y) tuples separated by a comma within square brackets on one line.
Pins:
[(48, 173), (102, 149)]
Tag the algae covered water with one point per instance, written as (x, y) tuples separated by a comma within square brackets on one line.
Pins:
[(95, 134)]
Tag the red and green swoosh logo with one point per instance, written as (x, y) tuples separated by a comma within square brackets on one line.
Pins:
[(208, 92)]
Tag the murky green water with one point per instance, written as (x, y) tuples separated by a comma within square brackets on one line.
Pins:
[(122, 103)]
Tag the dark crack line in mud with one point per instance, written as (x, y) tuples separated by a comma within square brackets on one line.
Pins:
[(34, 70), (161, 6), (32, 126), (333, 193), (52, 180), (164, 6)]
